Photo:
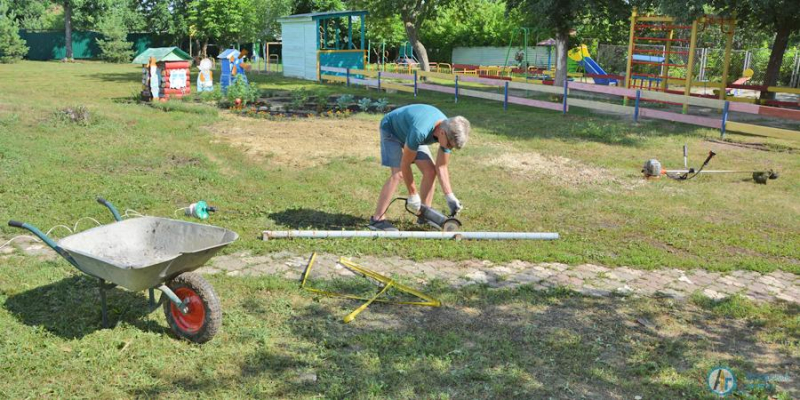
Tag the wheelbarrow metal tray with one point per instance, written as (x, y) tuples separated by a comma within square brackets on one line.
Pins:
[(142, 253)]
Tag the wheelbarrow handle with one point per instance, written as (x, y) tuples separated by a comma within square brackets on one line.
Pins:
[(110, 207), (15, 224), (46, 239)]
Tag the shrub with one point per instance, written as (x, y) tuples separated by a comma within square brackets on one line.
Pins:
[(214, 95), (299, 99), (240, 89), (322, 102)]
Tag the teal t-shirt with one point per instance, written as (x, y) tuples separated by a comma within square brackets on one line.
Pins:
[(413, 124)]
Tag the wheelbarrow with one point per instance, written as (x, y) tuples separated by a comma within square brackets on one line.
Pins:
[(151, 253)]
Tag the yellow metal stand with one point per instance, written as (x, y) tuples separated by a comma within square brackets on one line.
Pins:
[(388, 282)]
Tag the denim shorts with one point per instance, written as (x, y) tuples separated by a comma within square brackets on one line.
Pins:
[(392, 151)]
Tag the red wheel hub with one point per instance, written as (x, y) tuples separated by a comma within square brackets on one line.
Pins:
[(193, 320)]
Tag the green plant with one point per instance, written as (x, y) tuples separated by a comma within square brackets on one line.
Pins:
[(364, 104), (12, 47), (115, 46), (212, 96), (240, 89), (299, 99), (321, 102), (381, 104), (343, 101), (77, 115)]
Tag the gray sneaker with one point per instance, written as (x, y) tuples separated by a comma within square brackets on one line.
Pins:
[(382, 225)]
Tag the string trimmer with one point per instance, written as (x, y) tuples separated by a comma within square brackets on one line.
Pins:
[(652, 170)]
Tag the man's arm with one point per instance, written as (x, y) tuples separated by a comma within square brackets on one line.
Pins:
[(405, 167), (442, 159)]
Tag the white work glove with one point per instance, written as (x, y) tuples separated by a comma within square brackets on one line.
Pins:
[(414, 203), (453, 203)]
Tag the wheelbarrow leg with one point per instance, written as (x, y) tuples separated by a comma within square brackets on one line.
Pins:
[(152, 293), (103, 306)]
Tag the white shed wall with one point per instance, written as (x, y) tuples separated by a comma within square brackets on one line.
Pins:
[(299, 50)]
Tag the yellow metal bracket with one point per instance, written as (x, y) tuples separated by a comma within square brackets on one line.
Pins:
[(387, 283)]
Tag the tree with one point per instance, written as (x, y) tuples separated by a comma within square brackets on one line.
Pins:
[(227, 21), (12, 47), (413, 14), (267, 13), (560, 16), (114, 27), (471, 23)]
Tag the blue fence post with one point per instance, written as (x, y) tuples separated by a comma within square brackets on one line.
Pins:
[(566, 83), (348, 77), (456, 88), (724, 119), (505, 98), (415, 83), (636, 109), (379, 80)]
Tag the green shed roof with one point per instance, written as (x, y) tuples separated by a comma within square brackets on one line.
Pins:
[(161, 54)]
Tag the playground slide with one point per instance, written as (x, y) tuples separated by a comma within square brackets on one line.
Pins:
[(582, 57), (593, 67)]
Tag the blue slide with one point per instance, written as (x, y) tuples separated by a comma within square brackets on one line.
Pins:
[(592, 67)]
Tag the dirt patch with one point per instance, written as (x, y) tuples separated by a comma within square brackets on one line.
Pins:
[(300, 143), (560, 170)]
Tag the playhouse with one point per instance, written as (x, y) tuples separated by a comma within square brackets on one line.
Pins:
[(165, 72), (227, 67), (322, 39)]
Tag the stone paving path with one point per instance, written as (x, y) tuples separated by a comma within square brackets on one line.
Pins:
[(588, 279), (593, 280)]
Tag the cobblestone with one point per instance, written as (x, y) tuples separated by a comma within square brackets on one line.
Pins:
[(588, 279)]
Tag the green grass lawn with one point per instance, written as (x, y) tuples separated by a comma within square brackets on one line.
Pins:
[(280, 342), (154, 161)]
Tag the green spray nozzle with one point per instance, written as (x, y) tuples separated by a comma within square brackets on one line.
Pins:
[(201, 210)]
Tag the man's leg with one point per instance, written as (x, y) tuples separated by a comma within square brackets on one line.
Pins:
[(427, 186), (387, 193)]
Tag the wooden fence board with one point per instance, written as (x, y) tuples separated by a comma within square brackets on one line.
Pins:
[(599, 106), (436, 88), (536, 103), (762, 130), (689, 119)]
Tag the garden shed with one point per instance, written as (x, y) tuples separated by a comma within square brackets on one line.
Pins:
[(322, 39), (173, 68)]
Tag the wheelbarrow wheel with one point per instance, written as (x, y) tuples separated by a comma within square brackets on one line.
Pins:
[(204, 317)]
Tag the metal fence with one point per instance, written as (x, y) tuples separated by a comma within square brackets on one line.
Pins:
[(51, 45)]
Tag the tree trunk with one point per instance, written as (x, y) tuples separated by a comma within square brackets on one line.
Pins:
[(561, 58), (418, 47), (68, 29), (205, 48), (775, 59)]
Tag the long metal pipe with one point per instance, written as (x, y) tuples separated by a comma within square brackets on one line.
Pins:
[(267, 235)]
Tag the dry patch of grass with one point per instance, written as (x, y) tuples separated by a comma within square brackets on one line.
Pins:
[(560, 170), (300, 143)]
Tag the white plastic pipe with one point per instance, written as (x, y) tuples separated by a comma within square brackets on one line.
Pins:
[(267, 235)]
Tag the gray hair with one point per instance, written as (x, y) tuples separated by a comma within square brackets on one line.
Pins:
[(457, 131)]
